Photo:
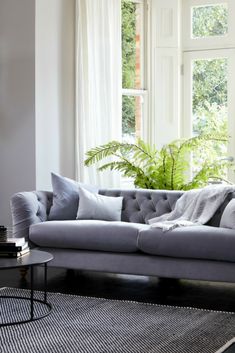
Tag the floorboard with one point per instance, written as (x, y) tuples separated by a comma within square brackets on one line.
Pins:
[(207, 295)]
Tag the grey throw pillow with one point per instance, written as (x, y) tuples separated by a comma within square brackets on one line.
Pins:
[(100, 207), (65, 197), (228, 216)]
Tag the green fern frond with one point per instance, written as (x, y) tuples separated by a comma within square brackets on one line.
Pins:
[(94, 155), (165, 169), (208, 172), (196, 141), (125, 167)]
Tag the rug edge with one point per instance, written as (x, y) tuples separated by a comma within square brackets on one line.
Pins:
[(133, 301), (222, 349), (1, 288)]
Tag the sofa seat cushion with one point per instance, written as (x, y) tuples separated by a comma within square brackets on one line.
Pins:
[(87, 234), (197, 242)]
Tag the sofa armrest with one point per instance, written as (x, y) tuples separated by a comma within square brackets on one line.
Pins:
[(28, 208)]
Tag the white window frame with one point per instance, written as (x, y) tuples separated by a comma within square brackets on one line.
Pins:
[(212, 42), (189, 57), (164, 81), (207, 48), (143, 93)]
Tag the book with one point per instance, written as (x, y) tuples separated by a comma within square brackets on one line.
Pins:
[(13, 242), (3, 233), (15, 253), (11, 248)]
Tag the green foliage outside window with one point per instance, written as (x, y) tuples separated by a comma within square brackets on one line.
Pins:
[(128, 44), (210, 75), (210, 92), (210, 104), (211, 20), (209, 83), (128, 115), (128, 65)]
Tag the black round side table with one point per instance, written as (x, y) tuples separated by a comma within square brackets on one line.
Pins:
[(32, 259)]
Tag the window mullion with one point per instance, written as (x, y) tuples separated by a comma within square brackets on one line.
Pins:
[(134, 92)]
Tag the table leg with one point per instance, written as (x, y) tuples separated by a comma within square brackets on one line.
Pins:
[(31, 292), (45, 283), (23, 273)]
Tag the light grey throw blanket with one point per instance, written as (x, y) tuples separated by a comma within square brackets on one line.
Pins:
[(194, 207)]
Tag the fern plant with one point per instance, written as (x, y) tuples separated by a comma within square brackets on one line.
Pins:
[(168, 168)]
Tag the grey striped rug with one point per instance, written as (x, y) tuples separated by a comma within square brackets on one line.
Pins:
[(85, 325)]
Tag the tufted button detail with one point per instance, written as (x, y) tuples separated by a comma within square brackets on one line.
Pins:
[(38, 212)]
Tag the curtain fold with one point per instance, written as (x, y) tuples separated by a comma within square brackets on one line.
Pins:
[(98, 83)]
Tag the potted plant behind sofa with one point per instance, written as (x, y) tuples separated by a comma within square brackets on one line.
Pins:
[(167, 169)]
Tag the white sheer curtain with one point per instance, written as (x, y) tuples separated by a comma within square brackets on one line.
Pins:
[(98, 82)]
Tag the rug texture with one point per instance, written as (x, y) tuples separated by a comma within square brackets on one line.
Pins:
[(85, 325)]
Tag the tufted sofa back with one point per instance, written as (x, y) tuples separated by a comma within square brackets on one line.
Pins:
[(139, 205)]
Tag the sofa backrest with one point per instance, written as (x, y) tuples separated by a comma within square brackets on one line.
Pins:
[(215, 220), (139, 205)]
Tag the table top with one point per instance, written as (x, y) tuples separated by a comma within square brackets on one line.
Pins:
[(34, 257)]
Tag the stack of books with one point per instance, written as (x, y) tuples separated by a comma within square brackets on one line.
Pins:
[(13, 247)]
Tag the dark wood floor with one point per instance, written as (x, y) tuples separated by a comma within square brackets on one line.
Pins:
[(208, 295)]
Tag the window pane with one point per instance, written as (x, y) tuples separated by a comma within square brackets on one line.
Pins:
[(131, 44), (208, 21), (131, 117), (210, 100)]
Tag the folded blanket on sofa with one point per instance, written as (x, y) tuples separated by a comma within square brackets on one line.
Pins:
[(194, 207)]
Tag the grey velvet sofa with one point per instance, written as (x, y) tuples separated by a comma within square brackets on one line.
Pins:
[(130, 246)]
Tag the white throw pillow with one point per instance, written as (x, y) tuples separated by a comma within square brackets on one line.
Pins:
[(228, 216), (100, 207)]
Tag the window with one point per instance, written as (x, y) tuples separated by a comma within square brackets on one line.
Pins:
[(133, 69), (208, 24), (208, 61), (209, 20)]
